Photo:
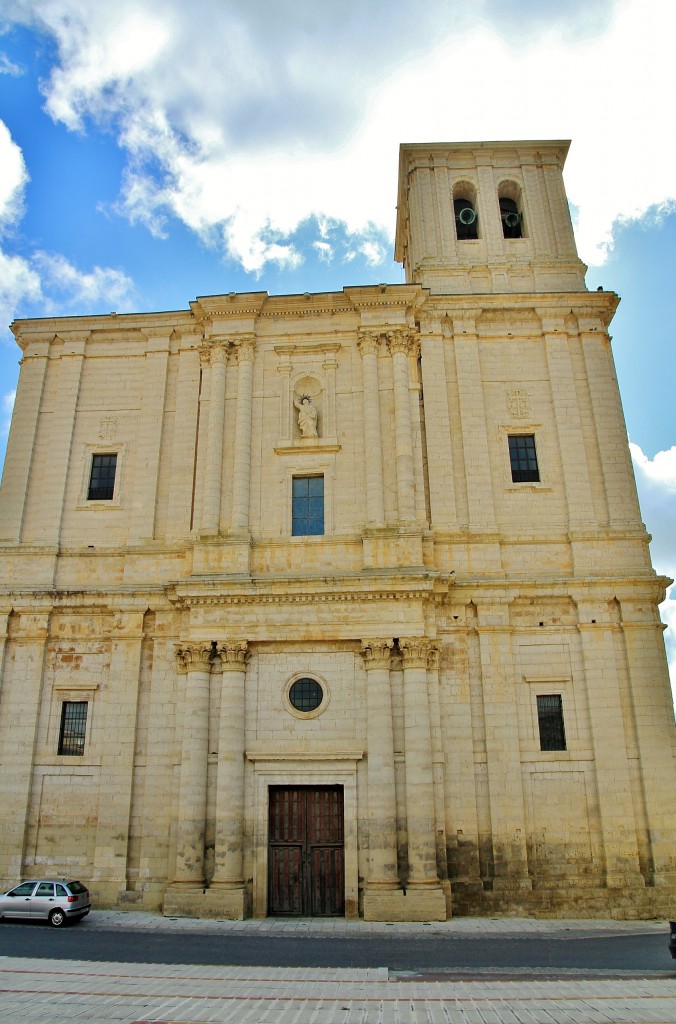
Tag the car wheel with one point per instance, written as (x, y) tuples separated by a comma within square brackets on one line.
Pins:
[(57, 918)]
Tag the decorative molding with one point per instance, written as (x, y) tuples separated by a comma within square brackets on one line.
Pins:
[(194, 657), (308, 445), (233, 654), (376, 652), (304, 756), (415, 651)]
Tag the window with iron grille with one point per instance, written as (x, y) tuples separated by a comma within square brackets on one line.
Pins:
[(523, 458), (73, 727), (102, 477), (307, 506), (550, 722), (306, 694)]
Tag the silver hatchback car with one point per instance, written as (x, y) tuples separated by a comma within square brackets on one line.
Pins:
[(56, 900)]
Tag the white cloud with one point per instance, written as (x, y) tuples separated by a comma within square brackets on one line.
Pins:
[(83, 289), (656, 483), (324, 251), (243, 118), (13, 179), (6, 409), (8, 67), (41, 277)]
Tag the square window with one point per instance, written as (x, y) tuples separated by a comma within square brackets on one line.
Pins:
[(523, 458), (307, 506), (550, 722), (102, 477), (73, 727)]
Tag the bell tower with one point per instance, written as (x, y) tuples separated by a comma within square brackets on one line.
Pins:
[(486, 217)]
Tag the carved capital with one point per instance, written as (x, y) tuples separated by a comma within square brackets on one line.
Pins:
[(415, 651), (233, 654), (376, 652), (402, 341), (367, 343), (195, 657), (205, 355), (244, 348), (219, 353)]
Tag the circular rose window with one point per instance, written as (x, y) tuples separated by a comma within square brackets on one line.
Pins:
[(305, 695)]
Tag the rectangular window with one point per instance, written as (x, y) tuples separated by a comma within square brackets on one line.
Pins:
[(102, 478), (73, 727), (523, 458), (550, 722), (307, 506)]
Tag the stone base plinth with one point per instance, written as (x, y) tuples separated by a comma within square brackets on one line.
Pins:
[(222, 555), (387, 547), (223, 904), (410, 905)]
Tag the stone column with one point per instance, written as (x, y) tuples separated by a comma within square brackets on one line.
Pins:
[(368, 347), (242, 462), (420, 811), (382, 809), (194, 659), (213, 469), (227, 892), (436, 749), (400, 346)]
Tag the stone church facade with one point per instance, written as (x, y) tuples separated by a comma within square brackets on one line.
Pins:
[(341, 604)]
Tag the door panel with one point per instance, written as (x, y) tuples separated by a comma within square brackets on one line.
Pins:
[(306, 857), (286, 879)]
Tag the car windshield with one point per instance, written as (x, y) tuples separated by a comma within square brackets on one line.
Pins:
[(76, 887)]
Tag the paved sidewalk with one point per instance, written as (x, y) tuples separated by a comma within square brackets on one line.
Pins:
[(56, 992), (135, 919)]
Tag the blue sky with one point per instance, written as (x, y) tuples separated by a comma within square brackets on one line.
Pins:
[(152, 151)]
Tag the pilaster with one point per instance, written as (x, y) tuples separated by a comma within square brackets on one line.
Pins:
[(568, 425), (502, 752), (652, 707), (69, 371), (186, 421), (150, 430), (480, 506), (613, 783), (400, 345), (22, 435), (117, 725), (216, 358), (20, 699), (437, 428), (368, 348), (242, 465)]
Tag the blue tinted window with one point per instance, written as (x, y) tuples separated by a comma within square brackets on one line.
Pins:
[(307, 506)]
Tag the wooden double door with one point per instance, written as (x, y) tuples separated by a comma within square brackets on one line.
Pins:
[(306, 863)]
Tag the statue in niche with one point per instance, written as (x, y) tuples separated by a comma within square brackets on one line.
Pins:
[(307, 416)]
